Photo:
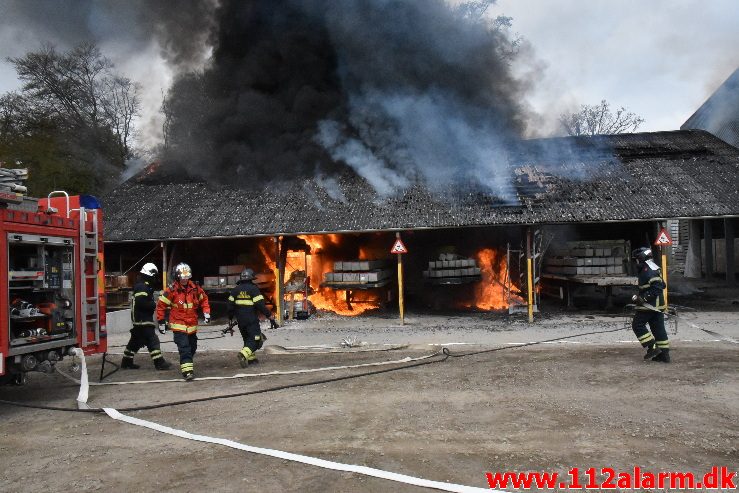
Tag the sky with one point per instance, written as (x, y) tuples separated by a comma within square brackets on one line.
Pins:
[(660, 59)]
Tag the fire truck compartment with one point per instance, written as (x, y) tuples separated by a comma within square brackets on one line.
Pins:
[(41, 296)]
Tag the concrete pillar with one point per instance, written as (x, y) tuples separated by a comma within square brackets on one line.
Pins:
[(729, 236), (708, 246), (693, 264)]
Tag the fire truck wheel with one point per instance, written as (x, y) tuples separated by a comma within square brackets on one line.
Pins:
[(19, 379)]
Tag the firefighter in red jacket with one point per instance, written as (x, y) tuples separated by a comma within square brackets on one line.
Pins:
[(182, 299)]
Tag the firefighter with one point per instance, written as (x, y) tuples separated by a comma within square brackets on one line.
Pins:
[(142, 318), (650, 306), (182, 299), (243, 302)]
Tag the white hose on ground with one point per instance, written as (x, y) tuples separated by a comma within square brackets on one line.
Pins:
[(243, 375), (303, 459), (83, 381)]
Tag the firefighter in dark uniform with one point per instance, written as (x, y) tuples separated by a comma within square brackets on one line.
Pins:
[(143, 332), (244, 301), (650, 306)]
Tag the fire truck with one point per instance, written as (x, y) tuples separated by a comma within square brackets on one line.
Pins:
[(51, 281)]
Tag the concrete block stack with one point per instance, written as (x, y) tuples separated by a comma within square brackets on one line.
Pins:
[(228, 275), (598, 258), (452, 265), (358, 272)]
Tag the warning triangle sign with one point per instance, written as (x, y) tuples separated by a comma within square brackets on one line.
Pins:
[(398, 247), (663, 238)]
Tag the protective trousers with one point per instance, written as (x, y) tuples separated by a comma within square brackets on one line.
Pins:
[(656, 321), (252, 335), (141, 336), (187, 344)]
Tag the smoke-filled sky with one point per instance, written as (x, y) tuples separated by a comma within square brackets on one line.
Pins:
[(394, 88), (661, 58)]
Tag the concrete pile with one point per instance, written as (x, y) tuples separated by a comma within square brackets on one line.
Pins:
[(594, 258), (358, 272), (451, 265)]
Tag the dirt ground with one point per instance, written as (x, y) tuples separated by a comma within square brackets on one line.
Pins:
[(588, 402)]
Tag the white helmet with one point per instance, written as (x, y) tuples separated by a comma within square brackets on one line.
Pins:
[(182, 272), (149, 269)]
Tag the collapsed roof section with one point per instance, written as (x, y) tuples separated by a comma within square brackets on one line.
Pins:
[(624, 177)]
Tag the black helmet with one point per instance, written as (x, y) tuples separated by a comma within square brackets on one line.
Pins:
[(642, 254), (247, 275)]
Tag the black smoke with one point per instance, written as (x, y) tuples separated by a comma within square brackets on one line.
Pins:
[(398, 90), (180, 27)]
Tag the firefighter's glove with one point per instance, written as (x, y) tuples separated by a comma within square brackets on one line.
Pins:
[(206, 317), (638, 300), (162, 326), (273, 323)]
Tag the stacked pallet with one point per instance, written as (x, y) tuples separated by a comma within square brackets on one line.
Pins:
[(452, 265), (601, 258), (358, 272)]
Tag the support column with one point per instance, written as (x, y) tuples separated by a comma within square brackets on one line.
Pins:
[(401, 292), (708, 246), (280, 279), (164, 264), (729, 236), (529, 274), (693, 263)]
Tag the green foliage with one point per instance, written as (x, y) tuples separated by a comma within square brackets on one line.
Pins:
[(49, 166)]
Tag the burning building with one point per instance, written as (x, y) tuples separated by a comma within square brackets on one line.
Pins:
[(316, 131), (617, 187)]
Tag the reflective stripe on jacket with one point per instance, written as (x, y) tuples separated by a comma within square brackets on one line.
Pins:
[(143, 305), (651, 288), (244, 301), (183, 303)]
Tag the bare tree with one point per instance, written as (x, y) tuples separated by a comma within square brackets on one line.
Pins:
[(79, 90), (600, 120), (121, 105), (72, 123)]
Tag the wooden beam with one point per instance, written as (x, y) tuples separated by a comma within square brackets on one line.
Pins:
[(729, 236)]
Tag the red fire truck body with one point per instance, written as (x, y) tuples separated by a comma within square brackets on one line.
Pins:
[(51, 284)]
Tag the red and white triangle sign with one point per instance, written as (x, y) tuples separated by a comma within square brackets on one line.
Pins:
[(398, 247), (663, 238)]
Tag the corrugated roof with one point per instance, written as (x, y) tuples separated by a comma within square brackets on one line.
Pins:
[(565, 180), (720, 112)]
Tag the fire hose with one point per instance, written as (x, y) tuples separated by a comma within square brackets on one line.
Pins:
[(444, 354)]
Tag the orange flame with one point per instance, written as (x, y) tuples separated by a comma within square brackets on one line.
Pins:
[(490, 293), (267, 256), (324, 250)]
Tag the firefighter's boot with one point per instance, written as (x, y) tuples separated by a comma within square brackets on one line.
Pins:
[(663, 356), (162, 364), (247, 357), (652, 352), (127, 361), (128, 364), (188, 371)]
